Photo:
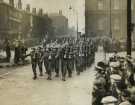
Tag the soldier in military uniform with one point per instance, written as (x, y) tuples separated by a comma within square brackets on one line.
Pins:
[(39, 60), (57, 61), (45, 58), (33, 55), (70, 61), (64, 62), (77, 59), (50, 59)]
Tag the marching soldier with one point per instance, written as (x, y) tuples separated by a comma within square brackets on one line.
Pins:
[(57, 61), (33, 55), (50, 64), (77, 59), (45, 58), (64, 62), (40, 62), (70, 62)]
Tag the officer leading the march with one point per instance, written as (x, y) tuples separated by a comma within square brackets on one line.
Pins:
[(39, 60), (33, 55)]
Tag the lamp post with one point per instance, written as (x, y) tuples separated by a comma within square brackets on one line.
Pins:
[(129, 28), (110, 18), (76, 13)]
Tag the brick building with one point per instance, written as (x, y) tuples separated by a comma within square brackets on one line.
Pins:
[(60, 24)]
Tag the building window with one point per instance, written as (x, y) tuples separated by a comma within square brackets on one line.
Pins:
[(116, 4), (116, 25), (101, 24), (100, 5)]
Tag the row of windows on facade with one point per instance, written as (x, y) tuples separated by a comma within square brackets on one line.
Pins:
[(115, 24), (115, 4)]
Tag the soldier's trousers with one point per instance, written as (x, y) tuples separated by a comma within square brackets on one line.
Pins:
[(40, 65), (70, 66), (63, 68), (78, 65), (46, 64), (34, 66), (49, 70), (56, 64)]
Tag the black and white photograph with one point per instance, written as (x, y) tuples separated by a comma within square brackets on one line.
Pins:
[(67, 52)]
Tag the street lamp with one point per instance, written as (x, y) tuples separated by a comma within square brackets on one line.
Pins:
[(110, 19), (129, 28), (76, 13)]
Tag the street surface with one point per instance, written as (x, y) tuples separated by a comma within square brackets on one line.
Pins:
[(18, 88)]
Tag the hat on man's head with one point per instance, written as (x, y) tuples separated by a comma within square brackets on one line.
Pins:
[(109, 99)]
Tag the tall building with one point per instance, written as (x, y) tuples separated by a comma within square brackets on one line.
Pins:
[(17, 23), (60, 24), (107, 18)]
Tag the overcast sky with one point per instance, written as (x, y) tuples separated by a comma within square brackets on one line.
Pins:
[(51, 6)]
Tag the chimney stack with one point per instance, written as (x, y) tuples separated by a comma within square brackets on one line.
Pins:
[(40, 12), (28, 8), (34, 11), (19, 4), (11, 2)]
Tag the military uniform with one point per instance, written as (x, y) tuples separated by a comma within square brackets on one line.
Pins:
[(50, 59), (33, 55), (78, 60), (45, 59), (39, 60), (64, 62), (70, 62), (57, 61)]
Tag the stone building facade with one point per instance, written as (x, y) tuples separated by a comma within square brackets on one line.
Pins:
[(23, 24), (108, 18)]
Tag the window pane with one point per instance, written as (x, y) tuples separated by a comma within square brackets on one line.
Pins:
[(116, 24), (116, 4), (101, 24), (100, 4)]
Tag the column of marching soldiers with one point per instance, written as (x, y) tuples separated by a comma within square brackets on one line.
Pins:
[(115, 81), (62, 58)]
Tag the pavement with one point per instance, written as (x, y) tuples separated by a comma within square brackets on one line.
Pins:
[(18, 88)]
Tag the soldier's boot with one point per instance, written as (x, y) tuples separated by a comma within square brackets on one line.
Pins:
[(63, 78), (57, 72), (34, 72), (78, 72), (49, 76), (70, 74), (35, 76), (41, 73)]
